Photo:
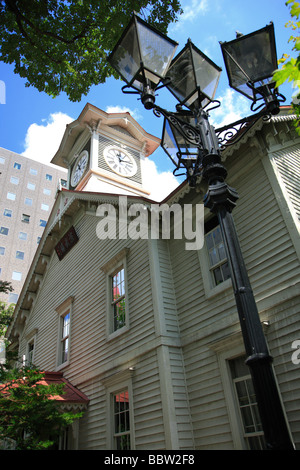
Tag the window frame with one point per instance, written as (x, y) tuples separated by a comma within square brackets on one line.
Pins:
[(63, 310), (114, 384), (8, 213), (31, 186), (227, 349), (117, 302), (211, 289), (21, 255), (21, 237), (31, 351), (11, 196), (110, 269), (17, 276), (25, 218), (28, 201), (250, 405)]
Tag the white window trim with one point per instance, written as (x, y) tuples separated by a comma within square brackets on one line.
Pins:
[(62, 310), (117, 262), (210, 288), (31, 338), (229, 348), (116, 383)]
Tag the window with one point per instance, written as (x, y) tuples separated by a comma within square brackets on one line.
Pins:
[(17, 166), (28, 201), (47, 191), (38, 240), (32, 171), (30, 352), (117, 312), (121, 420), (2, 160), (16, 276), (64, 324), (48, 177), (25, 218), (11, 196), (218, 264), (20, 255), (14, 180), (45, 207), (23, 235), (12, 298), (2, 250), (118, 299), (31, 186), (247, 404), (4, 230), (7, 212), (63, 183), (43, 223)]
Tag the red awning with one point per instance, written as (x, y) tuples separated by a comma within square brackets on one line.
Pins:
[(71, 398), (71, 394)]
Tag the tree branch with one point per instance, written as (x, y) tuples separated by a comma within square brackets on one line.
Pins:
[(11, 5)]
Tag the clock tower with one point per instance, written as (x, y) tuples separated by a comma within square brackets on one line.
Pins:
[(105, 152)]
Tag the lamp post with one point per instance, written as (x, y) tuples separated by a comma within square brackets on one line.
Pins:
[(144, 59)]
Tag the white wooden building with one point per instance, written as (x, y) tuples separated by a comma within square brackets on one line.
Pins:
[(147, 329)]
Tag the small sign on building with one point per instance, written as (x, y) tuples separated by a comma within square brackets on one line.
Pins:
[(66, 243)]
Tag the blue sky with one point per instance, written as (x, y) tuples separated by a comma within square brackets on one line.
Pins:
[(32, 123)]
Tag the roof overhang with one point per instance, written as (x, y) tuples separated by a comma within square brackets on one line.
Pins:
[(93, 119)]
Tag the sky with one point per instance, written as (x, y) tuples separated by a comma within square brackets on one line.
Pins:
[(32, 123)]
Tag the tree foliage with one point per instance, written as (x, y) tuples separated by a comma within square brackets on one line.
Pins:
[(62, 45), (28, 417), (6, 311), (290, 66)]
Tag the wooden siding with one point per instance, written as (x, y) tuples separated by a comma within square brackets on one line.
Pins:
[(91, 354), (287, 162)]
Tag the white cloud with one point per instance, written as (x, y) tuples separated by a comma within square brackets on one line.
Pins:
[(42, 140), (195, 8), (159, 184), (123, 109), (233, 107), (191, 10)]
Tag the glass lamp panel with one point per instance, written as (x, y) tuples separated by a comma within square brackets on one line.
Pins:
[(251, 58), (126, 58), (181, 74), (175, 144), (157, 51), (207, 74), (169, 143)]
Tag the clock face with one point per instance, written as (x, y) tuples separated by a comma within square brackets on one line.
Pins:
[(79, 167), (120, 161)]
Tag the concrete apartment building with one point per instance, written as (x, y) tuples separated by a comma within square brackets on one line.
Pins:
[(27, 194)]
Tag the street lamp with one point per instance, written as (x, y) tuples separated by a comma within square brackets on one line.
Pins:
[(250, 61), (193, 144)]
